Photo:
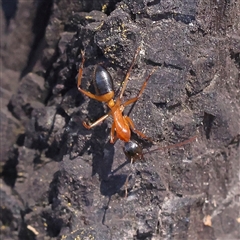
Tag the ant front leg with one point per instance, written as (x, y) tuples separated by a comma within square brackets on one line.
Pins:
[(126, 185)]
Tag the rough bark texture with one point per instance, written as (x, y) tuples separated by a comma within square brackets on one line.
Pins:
[(62, 181)]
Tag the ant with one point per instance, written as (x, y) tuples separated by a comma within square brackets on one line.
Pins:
[(122, 124), (103, 83)]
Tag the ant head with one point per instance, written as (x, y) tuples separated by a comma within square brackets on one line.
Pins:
[(133, 151)]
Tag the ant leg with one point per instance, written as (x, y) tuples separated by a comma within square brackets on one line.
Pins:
[(132, 100), (127, 180), (80, 73), (126, 185), (95, 123), (126, 79), (113, 137), (140, 134)]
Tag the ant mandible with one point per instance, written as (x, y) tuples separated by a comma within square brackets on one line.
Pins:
[(103, 83)]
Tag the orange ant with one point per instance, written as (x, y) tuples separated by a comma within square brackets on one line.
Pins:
[(103, 84)]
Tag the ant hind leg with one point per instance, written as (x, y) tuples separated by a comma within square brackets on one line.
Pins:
[(126, 79), (79, 81), (96, 122), (132, 100)]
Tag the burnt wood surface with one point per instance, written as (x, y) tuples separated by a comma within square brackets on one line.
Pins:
[(62, 181)]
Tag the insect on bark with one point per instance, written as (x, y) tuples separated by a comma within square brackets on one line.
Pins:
[(122, 125)]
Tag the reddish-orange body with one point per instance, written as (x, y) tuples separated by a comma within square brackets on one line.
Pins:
[(122, 125)]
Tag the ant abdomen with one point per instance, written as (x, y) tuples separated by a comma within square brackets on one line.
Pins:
[(103, 82)]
